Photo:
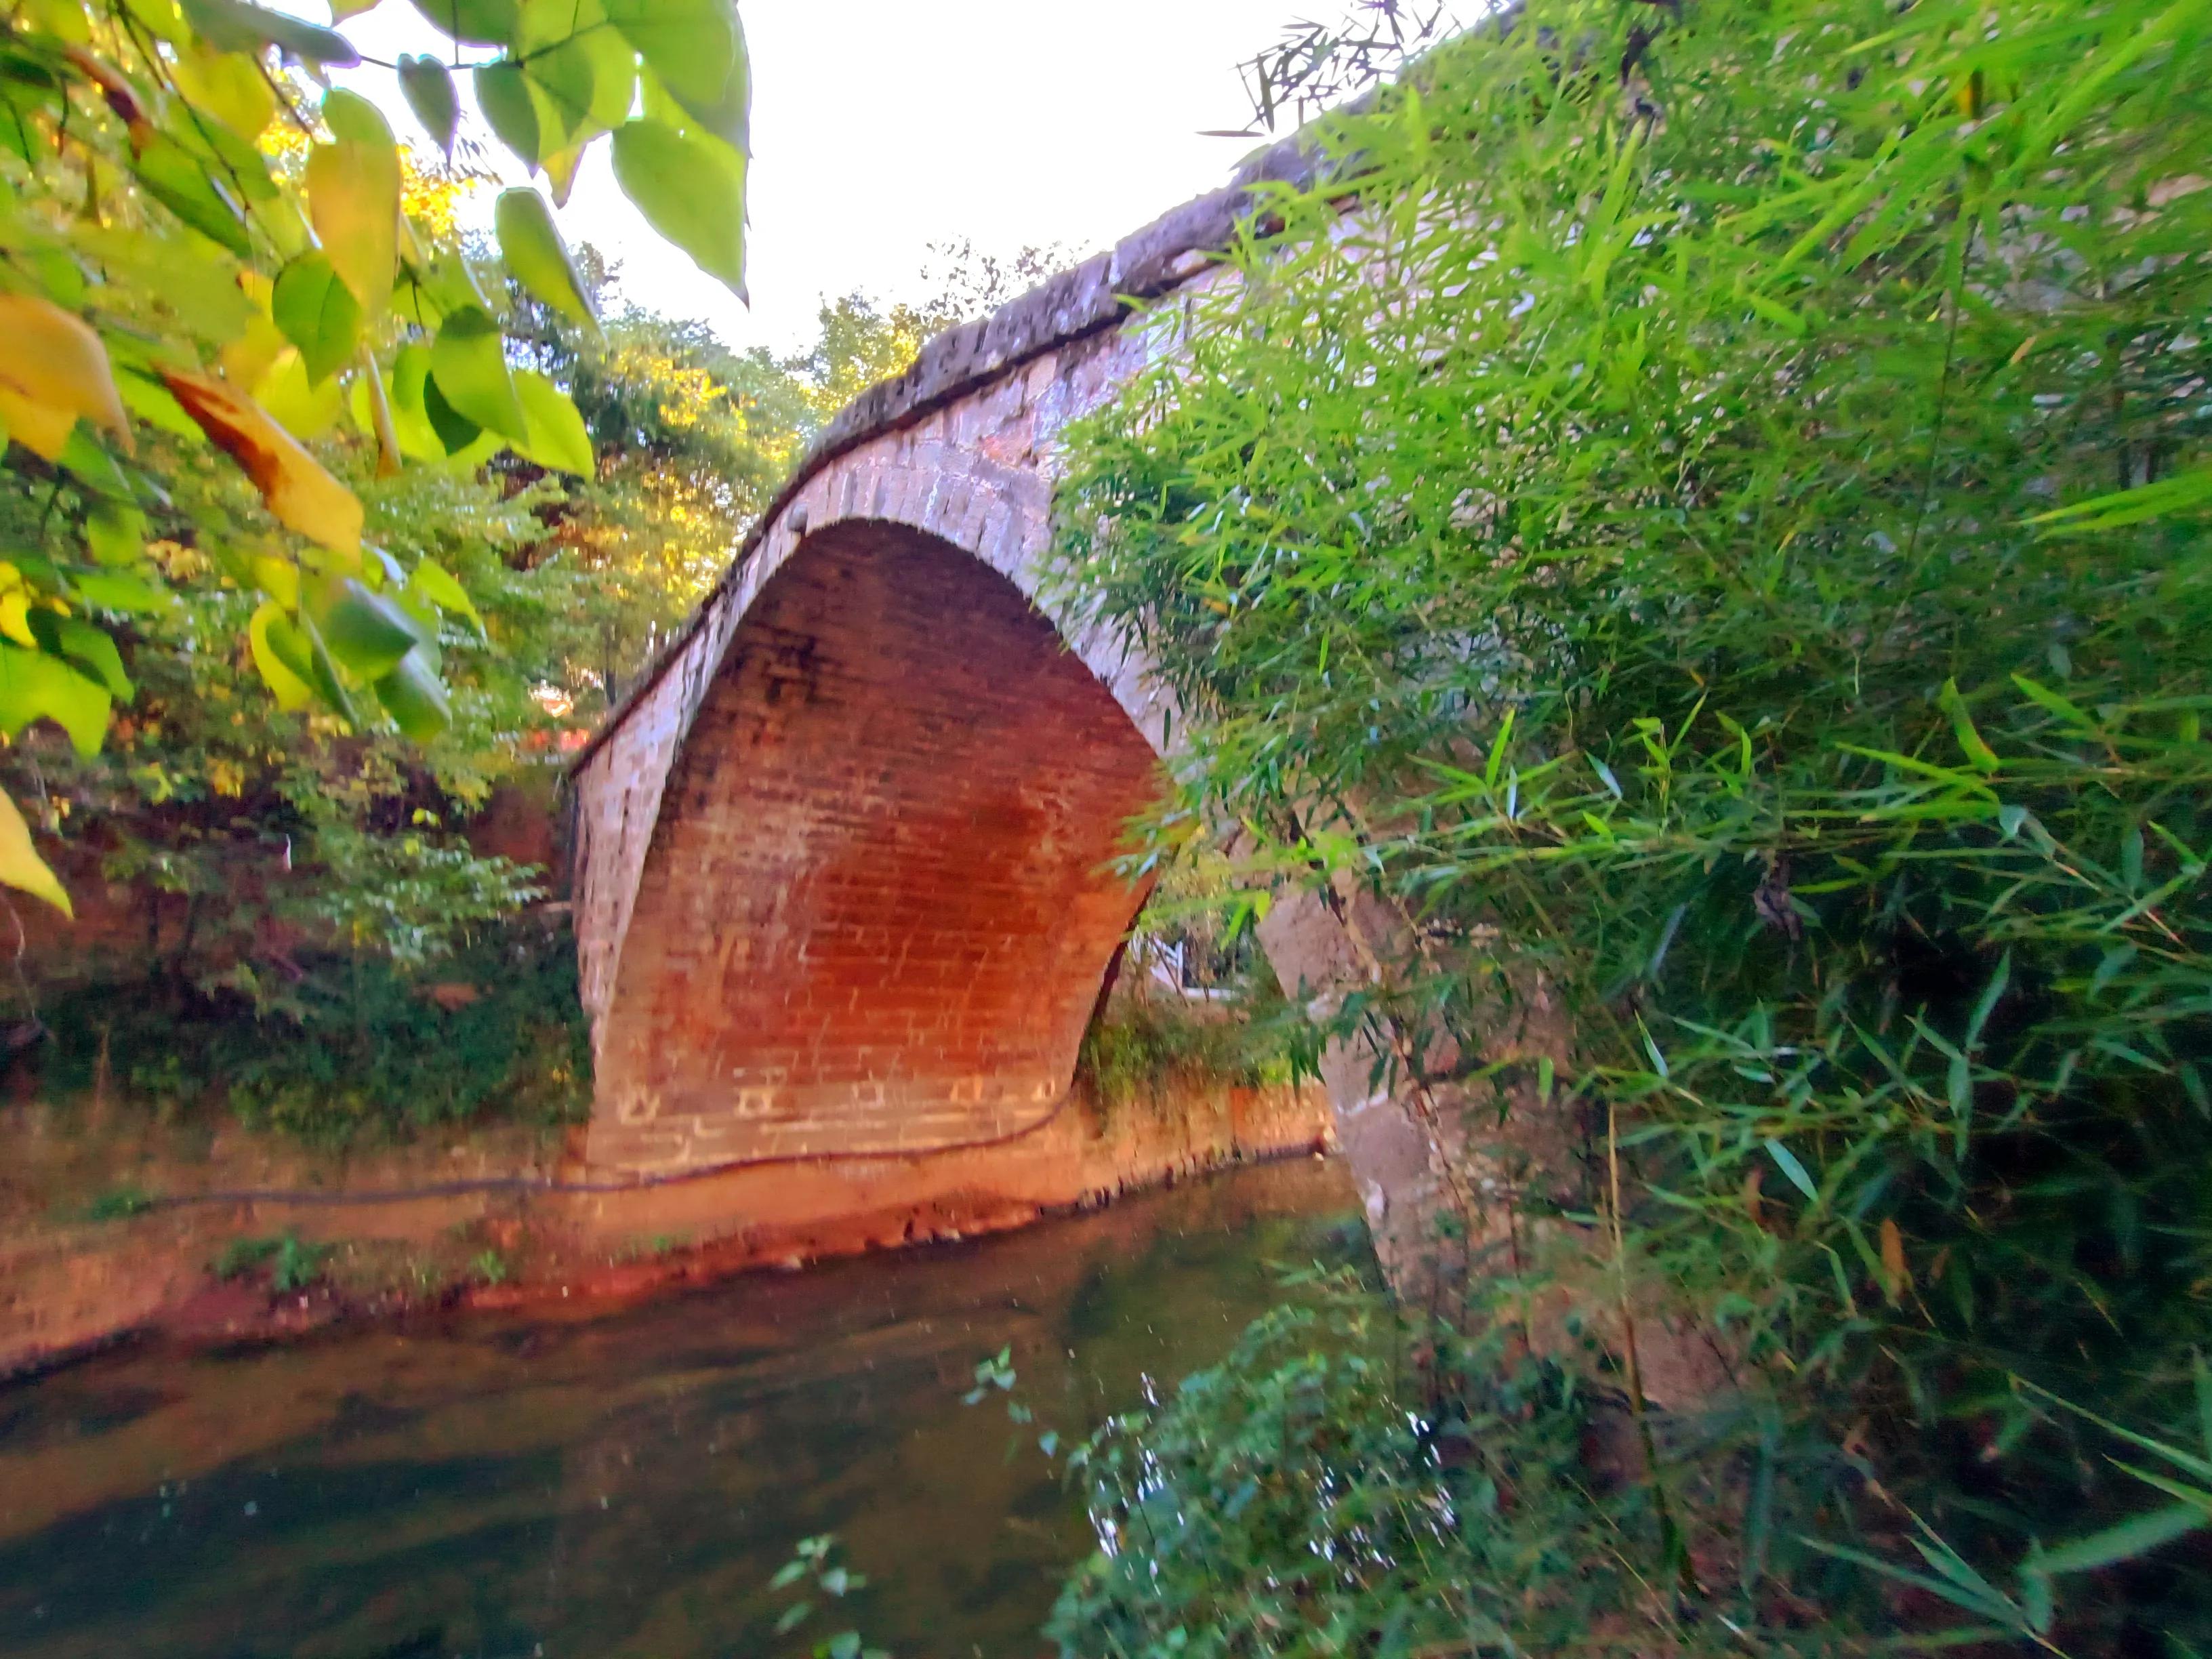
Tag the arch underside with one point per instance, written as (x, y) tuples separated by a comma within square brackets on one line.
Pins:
[(877, 908)]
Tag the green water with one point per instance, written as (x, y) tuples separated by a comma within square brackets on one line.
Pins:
[(626, 1482)]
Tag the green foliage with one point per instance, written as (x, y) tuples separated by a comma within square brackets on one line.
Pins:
[(201, 271), (815, 1568), (119, 1203), (1715, 537), (293, 1264), (1140, 1047), (1317, 1493), (348, 1049)]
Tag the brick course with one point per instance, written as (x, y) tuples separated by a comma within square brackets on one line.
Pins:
[(878, 916)]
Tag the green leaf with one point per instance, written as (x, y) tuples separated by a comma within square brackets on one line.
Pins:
[(2182, 493), (787, 1575), (353, 202), (416, 698), (282, 652), (531, 244), (324, 673), (691, 188), (115, 590), (1962, 724), (846, 1644), (1786, 1160), (116, 534), (581, 73), (468, 363), (428, 85), (364, 631), (453, 431), (236, 25), (34, 686), (503, 95), (179, 181), (91, 645), (438, 584), (557, 439), (83, 458), (317, 313), (2138, 1535), (353, 119), (479, 23), (696, 50), (793, 1617)]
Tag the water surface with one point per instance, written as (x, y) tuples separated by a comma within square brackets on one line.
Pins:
[(625, 1483)]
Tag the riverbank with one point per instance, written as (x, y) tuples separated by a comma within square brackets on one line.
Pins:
[(625, 1480), (211, 1235)]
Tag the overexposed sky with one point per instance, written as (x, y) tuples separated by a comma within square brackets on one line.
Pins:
[(880, 126)]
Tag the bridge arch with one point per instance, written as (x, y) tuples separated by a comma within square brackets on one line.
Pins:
[(875, 909)]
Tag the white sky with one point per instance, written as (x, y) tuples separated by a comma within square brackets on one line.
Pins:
[(880, 126)]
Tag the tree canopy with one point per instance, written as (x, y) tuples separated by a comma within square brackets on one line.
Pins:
[(249, 362)]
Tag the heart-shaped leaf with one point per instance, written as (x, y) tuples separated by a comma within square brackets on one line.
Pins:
[(365, 632), (353, 201), (479, 23), (298, 493), (237, 26), (696, 50), (468, 363), (282, 654), (181, 182), (34, 686), (691, 188), (416, 698), (503, 95), (428, 86), (21, 867), (317, 313), (557, 439), (531, 244)]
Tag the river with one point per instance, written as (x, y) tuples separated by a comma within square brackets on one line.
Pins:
[(625, 1482)]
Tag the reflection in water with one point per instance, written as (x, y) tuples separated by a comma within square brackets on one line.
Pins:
[(625, 1484)]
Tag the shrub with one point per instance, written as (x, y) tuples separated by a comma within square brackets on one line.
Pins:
[(357, 1047), (1717, 536)]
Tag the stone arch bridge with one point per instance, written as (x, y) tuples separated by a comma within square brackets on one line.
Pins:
[(842, 857)]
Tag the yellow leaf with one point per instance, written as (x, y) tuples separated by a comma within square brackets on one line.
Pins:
[(55, 360), (290, 690), (302, 407), (561, 171), (248, 359), (21, 867), (298, 493), (1897, 1277), (229, 85), (64, 18), (14, 618), (279, 578), (353, 201), (38, 429)]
